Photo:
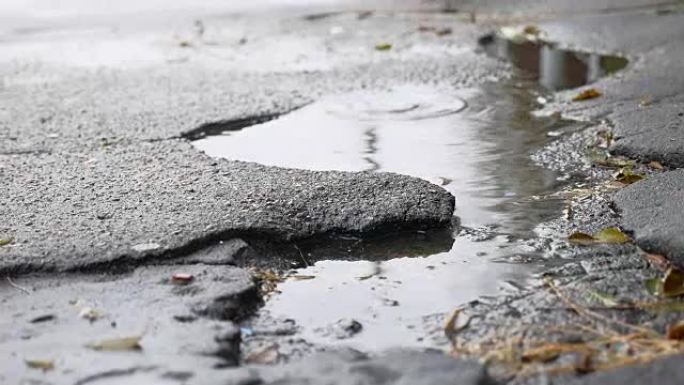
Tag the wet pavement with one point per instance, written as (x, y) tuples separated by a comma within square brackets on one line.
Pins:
[(102, 182), (476, 143)]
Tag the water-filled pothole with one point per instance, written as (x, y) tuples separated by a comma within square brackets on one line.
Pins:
[(553, 67), (476, 143)]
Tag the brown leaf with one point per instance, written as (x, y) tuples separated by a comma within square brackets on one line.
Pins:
[(676, 331), (658, 260), (673, 283), (590, 93)]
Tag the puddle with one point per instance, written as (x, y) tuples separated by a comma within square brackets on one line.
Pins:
[(554, 68), (476, 143)]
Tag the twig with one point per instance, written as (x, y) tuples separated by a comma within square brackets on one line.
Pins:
[(14, 285), (306, 263)]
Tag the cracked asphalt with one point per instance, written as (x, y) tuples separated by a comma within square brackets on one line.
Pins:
[(101, 191)]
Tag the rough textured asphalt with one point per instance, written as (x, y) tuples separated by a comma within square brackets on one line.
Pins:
[(94, 208), (94, 170), (653, 210)]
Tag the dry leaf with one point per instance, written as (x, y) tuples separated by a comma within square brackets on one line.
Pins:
[(116, 344), (676, 331), (659, 260), (673, 283), (590, 93), (45, 365)]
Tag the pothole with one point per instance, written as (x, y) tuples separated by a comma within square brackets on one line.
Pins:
[(476, 143)]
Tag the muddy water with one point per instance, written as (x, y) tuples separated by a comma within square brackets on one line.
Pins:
[(476, 143)]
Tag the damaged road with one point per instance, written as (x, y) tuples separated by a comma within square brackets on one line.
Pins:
[(125, 249)]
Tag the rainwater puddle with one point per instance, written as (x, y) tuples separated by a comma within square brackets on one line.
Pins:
[(476, 143), (554, 68)]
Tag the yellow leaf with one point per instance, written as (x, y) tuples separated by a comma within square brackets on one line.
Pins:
[(383, 47), (590, 93), (579, 238), (611, 235), (5, 241)]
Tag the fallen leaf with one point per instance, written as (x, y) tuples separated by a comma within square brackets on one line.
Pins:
[(612, 235), (676, 331), (383, 47), (654, 286), (6, 241), (590, 93), (659, 260), (579, 238), (117, 344), (673, 283), (627, 176), (185, 44), (45, 365)]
